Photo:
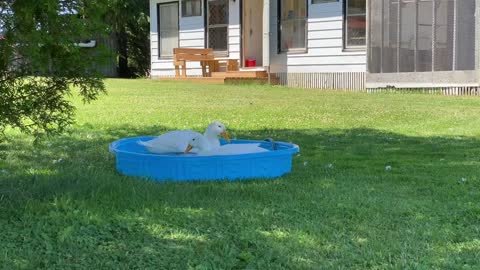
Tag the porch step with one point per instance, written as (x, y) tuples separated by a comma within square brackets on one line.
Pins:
[(247, 74), (246, 80), (240, 74), (219, 74), (195, 79), (230, 76), (273, 80)]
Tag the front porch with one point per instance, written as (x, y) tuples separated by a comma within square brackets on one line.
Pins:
[(239, 76), (214, 69)]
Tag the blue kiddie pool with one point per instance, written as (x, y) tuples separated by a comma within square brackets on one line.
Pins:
[(133, 159)]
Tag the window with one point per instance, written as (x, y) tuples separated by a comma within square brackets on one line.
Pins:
[(465, 35), (191, 8), (355, 23), (292, 30), (421, 36), (217, 25), (323, 1), (167, 29)]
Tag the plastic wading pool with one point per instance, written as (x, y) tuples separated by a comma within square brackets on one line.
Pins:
[(133, 159)]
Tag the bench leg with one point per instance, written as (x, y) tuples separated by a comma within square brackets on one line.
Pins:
[(204, 68), (184, 70), (177, 71)]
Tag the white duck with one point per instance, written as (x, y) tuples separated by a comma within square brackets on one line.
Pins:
[(203, 147), (176, 141), (213, 131)]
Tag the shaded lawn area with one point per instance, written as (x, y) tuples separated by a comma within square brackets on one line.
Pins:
[(62, 204)]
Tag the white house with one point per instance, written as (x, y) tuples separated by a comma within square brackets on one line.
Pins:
[(324, 43)]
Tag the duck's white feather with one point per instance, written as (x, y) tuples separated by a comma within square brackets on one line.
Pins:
[(206, 149), (170, 142)]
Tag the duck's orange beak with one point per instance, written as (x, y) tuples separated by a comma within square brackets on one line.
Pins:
[(189, 148), (225, 136)]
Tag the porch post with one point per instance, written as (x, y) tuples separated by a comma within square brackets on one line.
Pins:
[(266, 36)]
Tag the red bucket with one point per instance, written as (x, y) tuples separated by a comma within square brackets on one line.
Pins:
[(250, 63)]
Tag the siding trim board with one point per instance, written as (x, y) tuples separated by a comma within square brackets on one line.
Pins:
[(446, 91), (350, 81), (423, 79), (355, 81)]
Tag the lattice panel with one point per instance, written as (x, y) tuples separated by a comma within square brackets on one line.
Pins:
[(218, 12), (217, 38)]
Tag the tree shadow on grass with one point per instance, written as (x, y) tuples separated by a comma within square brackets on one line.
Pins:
[(355, 198)]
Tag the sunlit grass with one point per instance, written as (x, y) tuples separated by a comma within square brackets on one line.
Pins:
[(383, 181)]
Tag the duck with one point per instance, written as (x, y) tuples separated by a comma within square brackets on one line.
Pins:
[(203, 148), (213, 131), (176, 141)]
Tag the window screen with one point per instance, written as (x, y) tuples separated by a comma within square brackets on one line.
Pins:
[(465, 47), (217, 25), (443, 27), (424, 23), (376, 25), (167, 29), (421, 35), (390, 36), (406, 55)]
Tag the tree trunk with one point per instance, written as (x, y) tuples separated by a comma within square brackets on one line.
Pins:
[(123, 70)]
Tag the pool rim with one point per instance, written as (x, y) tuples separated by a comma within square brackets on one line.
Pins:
[(291, 148)]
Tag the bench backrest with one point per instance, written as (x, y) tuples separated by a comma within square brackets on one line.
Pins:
[(189, 54)]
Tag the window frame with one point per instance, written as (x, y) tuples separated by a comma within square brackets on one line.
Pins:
[(158, 28), (194, 15), (346, 47), (225, 53), (279, 31)]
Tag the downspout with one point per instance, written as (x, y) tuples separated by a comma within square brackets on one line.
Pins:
[(266, 37)]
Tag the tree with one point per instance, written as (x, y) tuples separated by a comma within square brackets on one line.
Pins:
[(40, 60), (138, 45), (129, 21)]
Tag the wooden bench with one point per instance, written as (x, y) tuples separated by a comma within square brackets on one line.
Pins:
[(182, 55), (204, 56)]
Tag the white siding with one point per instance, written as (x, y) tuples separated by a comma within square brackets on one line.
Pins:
[(325, 52)]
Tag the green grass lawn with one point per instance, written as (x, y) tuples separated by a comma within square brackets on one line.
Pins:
[(63, 205)]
